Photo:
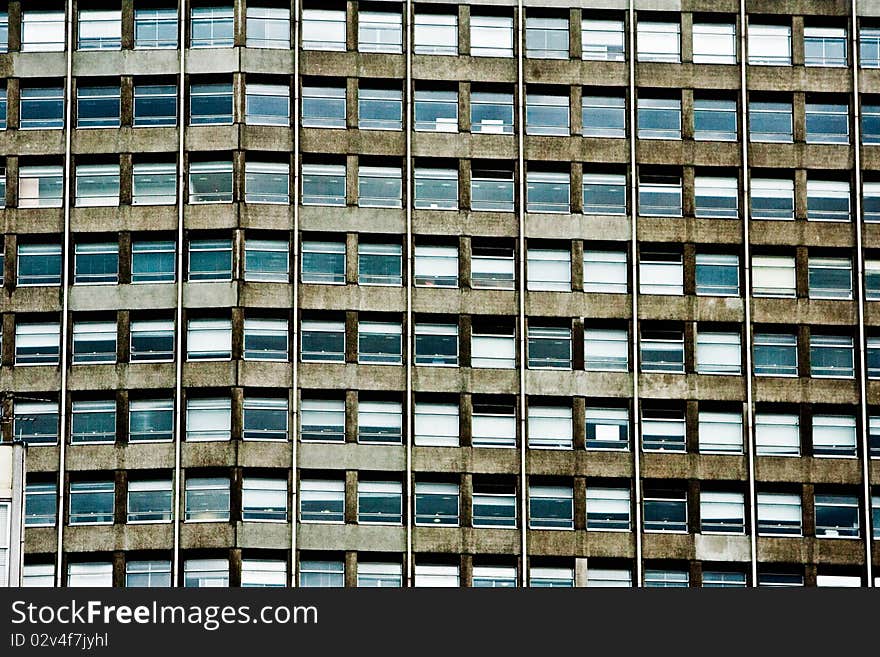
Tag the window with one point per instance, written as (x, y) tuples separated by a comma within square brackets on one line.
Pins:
[(436, 576), (267, 104), (494, 577), (660, 195), (97, 107), (872, 279), (663, 430), (777, 434), (266, 260), (152, 262), (494, 506), (604, 193), (714, 119), (493, 425), (605, 272), (324, 574), (91, 502), (435, 34), (547, 115), (436, 425), (831, 356), (380, 109), (323, 29), (839, 581), (662, 351), (100, 30), (830, 278), (776, 354), (89, 574), (609, 578), (263, 573), (41, 108), (546, 38), (661, 273), (779, 514), (207, 499), (210, 182), (380, 343), (548, 191), (42, 31), (267, 182), (607, 428), (436, 504), (549, 270), (36, 423), (608, 509), (149, 501), (718, 353), (723, 579), (209, 339), (380, 502), (491, 36), (769, 45), (268, 27), (828, 200), (837, 516), (436, 189), (264, 418), (380, 31), (550, 427), (380, 187), (824, 46), (3, 108), (543, 577), (492, 190), (322, 420), (94, 342), (210, 104), (323, 184), (551, 507), (827, 123), (870, 122), (322, 341), (40, 504), (198, 573), (155, 28), (659, 118), (40, 187), (720, 432), (380, 422), (154, 183), (436, 111), (265, 339), (380, 264), (770, 121), (379, 575), (494, 346), (39, 575), (869, 53), (211, 27), (665, 510), (97, 185), (549, 347), (722, 513), (93, 421), (834, 435), (155, 105), (323, 262), (96, 263), (875, 515), (603, 116), (37, 344), (323, 107), (870, 202), (666, 579), (606, 350), (150, 420), (873, 357), (714, 43), (773, 276), (436, 344), (717, 275), (602, 40), (491, 112), (208, 418), (658, 42), (716, 197), (263, 499)]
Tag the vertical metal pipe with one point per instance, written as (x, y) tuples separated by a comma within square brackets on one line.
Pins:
[(521, 287), (294, 324), (407, 249)]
